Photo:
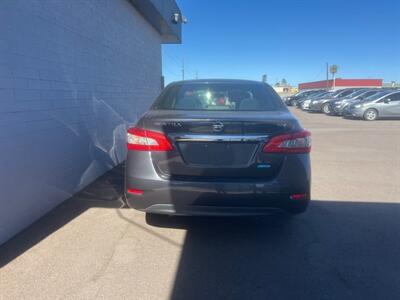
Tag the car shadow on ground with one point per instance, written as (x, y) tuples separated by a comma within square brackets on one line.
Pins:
[(336, 250), (377, 120), (105, 192)]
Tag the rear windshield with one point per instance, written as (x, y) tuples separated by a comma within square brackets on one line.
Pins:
[(219, 96)]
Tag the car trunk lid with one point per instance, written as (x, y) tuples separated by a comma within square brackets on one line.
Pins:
[(218, 145)]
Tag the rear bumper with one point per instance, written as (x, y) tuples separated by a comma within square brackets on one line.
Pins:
[(170, 209), (174, 197), (209, 198)]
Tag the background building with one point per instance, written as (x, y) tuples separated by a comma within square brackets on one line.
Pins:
[(392, 84), (341, 83), (73, 75), (283, 88)]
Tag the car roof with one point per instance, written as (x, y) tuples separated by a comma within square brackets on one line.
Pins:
[(205, 81)]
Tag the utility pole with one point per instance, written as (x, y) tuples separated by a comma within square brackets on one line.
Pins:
[(183, 69), (264, 78), (327, 76)]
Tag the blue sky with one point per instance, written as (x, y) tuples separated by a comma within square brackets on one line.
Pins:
[(287, 39)]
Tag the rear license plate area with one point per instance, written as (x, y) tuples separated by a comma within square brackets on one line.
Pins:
[(217, 154)]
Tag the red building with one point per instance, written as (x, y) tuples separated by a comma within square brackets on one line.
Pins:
[(341, 83)]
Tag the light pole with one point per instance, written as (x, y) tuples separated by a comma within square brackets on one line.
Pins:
[(264, 78), (183, 69)]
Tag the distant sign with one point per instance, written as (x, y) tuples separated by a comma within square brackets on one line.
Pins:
[(333, 69)]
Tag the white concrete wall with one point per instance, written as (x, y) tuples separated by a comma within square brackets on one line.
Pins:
[(73, 74)]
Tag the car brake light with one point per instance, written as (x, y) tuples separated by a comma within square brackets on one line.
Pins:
[(146, 140), (298, 142), (298, 196), (135, 192)]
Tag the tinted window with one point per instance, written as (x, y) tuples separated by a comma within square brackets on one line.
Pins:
[(344, 93), (335, 93), (376, 96), (219, 96), (355, 94), (320, 94), (394, 97), (367, 94)]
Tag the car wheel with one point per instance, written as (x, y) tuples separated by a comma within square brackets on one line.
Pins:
[(326, 109), (293, 103), (370, 114)]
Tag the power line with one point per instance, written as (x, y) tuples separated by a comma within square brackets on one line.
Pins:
[(319, 73), (182, 65), (174, 58), (171, 71)]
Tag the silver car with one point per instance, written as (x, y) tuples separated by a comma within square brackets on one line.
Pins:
[(322, 104), (305, 103), (385, 104), (337, 106)]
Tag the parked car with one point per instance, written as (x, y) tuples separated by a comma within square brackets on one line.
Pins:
[(322, 104), (385, 104), (337, 105), (218, 147), (304, 104), (324, 95), (318, 95), (292, 100)]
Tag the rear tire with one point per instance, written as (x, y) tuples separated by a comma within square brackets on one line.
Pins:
[(370, 114)]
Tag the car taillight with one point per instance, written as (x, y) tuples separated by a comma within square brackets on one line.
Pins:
[(146, 140), (298, 196), (136, 192), (298, 142)]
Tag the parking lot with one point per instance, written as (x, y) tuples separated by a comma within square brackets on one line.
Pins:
[(345, 246)]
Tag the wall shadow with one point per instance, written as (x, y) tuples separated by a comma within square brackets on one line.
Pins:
[(106, 191), (337, 250)]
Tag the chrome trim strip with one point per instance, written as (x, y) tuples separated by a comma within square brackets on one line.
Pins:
[(220, 138)]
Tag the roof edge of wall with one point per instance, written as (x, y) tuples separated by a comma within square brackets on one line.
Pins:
[(160, 14)]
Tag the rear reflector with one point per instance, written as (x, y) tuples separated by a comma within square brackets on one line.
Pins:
[(298, 142), (146, 140), (135, 192), (298, 196)]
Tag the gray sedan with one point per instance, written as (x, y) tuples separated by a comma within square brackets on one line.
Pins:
[(218, 147), (381, 105), (322, 104), (337, 106)]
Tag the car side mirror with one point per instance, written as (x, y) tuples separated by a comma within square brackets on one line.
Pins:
[(386, 101)]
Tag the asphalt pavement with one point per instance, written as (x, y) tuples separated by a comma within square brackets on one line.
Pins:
[(346, 246)]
